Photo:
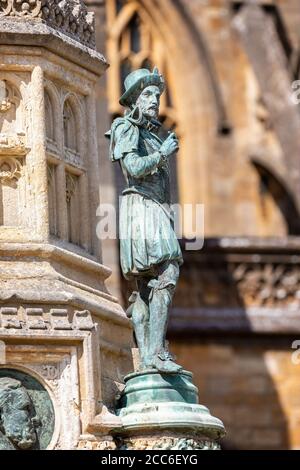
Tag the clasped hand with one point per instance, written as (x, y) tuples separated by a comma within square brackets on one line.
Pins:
[(170, 145)]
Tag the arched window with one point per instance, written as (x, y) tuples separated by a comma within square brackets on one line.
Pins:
[(70, 127), (50, 130)]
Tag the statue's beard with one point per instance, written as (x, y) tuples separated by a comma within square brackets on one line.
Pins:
[(141, 113), (149, 113)]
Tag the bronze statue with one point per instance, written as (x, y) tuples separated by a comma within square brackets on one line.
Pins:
[(149, 250)]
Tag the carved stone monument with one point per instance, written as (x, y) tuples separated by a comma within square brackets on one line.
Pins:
[(159, 406), (65, 342)]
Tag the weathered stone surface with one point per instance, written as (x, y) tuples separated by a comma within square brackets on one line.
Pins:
[(243, 284), (71, 17), (168, 442), (13, 32)]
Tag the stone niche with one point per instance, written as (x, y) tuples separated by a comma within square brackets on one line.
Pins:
[(68, 166), (13, 150)]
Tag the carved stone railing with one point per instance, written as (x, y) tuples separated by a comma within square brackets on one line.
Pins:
[(239, 284), (71, 17)]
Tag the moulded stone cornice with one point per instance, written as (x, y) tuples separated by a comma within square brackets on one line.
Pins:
[(57, 253), (71, 17), (14, 31), (56, 291)]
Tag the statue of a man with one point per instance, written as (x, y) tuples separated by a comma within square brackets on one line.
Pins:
[(149, 249)]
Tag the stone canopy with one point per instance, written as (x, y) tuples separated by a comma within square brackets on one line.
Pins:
[(70, 17), (64, 27)]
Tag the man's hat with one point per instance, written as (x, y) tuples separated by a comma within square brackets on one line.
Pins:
[(137, 81)]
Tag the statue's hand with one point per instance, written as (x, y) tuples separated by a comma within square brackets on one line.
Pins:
[(170, 145)]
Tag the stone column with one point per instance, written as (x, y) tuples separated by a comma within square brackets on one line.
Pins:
[(94, 189), (37, 158)]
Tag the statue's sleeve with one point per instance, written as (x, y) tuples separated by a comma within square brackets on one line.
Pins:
[(124, 138), (125, 148), (138, 167)]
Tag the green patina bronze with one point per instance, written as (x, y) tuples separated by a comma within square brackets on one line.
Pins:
[(26, 412), (160, 398), (151, 387), (152, 402), (149, 250)]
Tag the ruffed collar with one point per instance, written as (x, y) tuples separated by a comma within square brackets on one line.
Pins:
[(151, 125), (136, 117)]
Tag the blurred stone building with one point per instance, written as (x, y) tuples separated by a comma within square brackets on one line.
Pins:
[(229, 66)]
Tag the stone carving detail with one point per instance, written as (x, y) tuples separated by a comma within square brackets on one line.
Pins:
[(104, 444), (6, 97), (72, 16), (35, 320), (5, 105), (61, 377), (26, 412), (168, 443), (242, 280), (39, 319), (72, 157), (268, 284), (59, 319), (9, 318), (10, 169), (50, 372), (12, 176), (83, 320), (20, 7), (142, 259), (12, 144), (12, 118)]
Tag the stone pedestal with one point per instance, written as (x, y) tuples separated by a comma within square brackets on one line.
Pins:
[(162, 411)]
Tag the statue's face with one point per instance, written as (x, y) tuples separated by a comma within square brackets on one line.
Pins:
[(148, 102)]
